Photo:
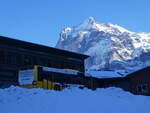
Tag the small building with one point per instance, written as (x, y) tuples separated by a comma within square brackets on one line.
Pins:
[(110, 79), (139, 81), (136, 82), (17, 54)]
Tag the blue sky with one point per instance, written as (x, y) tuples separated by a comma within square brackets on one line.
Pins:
[(40, 21)]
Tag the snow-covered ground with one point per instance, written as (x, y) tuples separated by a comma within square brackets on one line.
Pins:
[(109, 100)]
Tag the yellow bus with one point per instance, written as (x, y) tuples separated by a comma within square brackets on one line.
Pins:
[(29, 78)]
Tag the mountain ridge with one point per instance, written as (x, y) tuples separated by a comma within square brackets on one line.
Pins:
[(110, 46)]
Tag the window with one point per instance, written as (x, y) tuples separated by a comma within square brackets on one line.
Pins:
[(11, 58), (142, 88), (19, 59), (61, 65), (49, 64), (71, 66), (56, 64), (42, 61), (27, 60), (2, 57), (34, 58)]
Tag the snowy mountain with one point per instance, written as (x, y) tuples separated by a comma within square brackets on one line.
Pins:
[(110, 46)]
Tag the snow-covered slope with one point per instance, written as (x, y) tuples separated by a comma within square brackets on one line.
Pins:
[(110, 46), (110, 100)]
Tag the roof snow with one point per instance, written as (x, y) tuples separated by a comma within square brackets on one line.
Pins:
[(103, 74)]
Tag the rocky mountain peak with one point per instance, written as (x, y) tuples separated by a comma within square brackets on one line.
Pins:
[(109, 45), (90, 20), (86, 25)]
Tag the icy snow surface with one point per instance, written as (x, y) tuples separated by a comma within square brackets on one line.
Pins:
[(110, 100)]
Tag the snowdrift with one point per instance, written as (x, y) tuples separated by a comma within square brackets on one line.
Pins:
[(110, 100)]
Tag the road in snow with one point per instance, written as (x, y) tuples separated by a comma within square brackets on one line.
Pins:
[(109, 100)]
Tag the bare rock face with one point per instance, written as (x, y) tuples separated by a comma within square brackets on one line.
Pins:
[(110, 46)]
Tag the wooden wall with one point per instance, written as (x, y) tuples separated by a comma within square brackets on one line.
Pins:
[(140, 82), (12, 59)]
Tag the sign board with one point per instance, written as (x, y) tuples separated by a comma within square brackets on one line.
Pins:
[(26, 77)]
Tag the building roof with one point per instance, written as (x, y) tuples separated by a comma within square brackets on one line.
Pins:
[(144, 69), (37, 47)]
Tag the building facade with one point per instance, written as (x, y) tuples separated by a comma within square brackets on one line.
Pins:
[(17, 54), (139, 81)]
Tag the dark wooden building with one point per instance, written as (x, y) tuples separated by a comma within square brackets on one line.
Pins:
[(139, 81), (17, 54)]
